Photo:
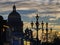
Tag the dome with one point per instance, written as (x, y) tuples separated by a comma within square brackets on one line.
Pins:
[(14, 20), (14, 16)]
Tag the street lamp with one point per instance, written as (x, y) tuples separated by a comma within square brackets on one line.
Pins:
[(46, 32), (42, 29), (37, 26)]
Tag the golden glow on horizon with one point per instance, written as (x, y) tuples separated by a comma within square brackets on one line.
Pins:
[(57, 27), (40, 32)]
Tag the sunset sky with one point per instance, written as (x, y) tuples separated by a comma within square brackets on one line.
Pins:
[(48, 11)]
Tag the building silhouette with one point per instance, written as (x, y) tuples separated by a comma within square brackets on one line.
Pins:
[(11, 31), (14, 20), (16, 27), (2, 30)]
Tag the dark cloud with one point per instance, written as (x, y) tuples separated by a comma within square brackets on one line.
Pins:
[(56, 22), (49, 12), (12, 0), (21, 12), (46, 18), (25, 13), (30, 11)]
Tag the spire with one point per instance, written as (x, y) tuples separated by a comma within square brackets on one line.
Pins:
[(14, 7)]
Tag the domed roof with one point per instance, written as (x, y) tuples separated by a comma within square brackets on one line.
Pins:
[(14, 20), (14, 16), (14, 13)]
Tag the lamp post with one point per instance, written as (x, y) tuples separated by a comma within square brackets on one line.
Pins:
[(42, 29), (51, 34), (46, 32), (37, 26)]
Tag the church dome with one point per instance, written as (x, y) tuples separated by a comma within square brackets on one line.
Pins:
[(14, 14), (14, 17), (14, 20)]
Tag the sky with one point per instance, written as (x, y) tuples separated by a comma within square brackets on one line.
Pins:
[(48, 11)]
